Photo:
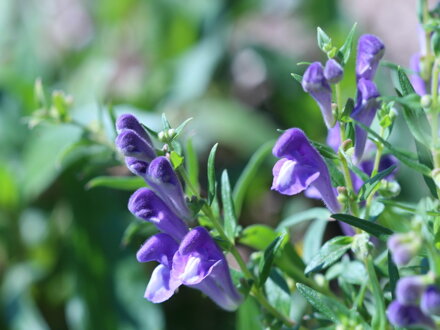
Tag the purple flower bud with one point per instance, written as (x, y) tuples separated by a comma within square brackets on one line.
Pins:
[(409, 290), (406, 316), (162, 178), (416, 80), (132, 144), (333, 71), (162, 285), (369, 52), (199, 263), (317, 86), (430, 302), (146, 205), (301, 166), (128, 121), (403, 248), (137, 167), (364, 112)]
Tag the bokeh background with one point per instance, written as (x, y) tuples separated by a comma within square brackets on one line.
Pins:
[(67, 260)]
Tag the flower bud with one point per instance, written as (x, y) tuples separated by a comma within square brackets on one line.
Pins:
[(132, 144), (404, 247), (409, 290), (430, 302), (128, 121), (426, 101), (370, 51), (318, 87), (333, 71), (406, 316)]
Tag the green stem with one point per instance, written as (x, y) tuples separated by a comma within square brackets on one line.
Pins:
[(272, 310), (349, 184), (379, 318)]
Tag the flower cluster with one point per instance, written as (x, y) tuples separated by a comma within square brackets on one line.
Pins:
[(417, 300), (188, 257)]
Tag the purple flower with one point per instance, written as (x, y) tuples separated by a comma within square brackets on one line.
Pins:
[(334, 137), (409, 290), (406, 316), (333, 71), (301, 166), (146, 205), (128, 121), (416, 80), (132, 144), (161, 248), (162, 178), (199, 263), (317, 86), (430, 302), (403, 248), (364, 112), (369, 52)]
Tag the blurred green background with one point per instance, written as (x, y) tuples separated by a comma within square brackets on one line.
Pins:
[(66, 259)]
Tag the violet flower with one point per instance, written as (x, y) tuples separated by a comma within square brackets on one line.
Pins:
[(301, 166), (403, 248), (128, 121), (409, 290), (430, 302), (134, 145), (162, 178), (161, 248), (364, 112), (317, 86), (407, 316), (199, 263), (370, 50), (416, 80), (333, 71), (146, 205)]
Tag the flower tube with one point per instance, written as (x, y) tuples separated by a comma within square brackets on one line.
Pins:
[(364, 112), (146, 205), (301, 166), (317, 86), (370, 50)]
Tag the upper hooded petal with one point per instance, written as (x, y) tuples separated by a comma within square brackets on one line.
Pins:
[(370, 50), (159, 247), (128, 121)]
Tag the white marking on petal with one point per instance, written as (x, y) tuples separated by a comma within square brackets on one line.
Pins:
[(284, 177)]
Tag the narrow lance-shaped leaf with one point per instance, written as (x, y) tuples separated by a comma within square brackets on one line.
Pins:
[(268, 258), (345, 51), (212, 184), (323, 39), (368, 226), (329, 253), (117, 182), (165, 122), (249, 173), (393, 274), (192, 164), (230, 220), (369, 186)]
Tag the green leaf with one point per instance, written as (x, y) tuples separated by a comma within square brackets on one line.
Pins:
[(310, 214), (330, 308), (248, 315), (368, 187), (425, 157), (180, 128), (407, 207), (393, 274), (324, 40), (405, 157), (345, 51), (192, 165), (268, 259), (165, 123), (258, 236), (415, 117), (313, 238), (336, 176), (278, 292), (297, 77), (212, 184), (368, 226), (117, 182), (176, 159), (230, 220), (329, 253), (249, 173)]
